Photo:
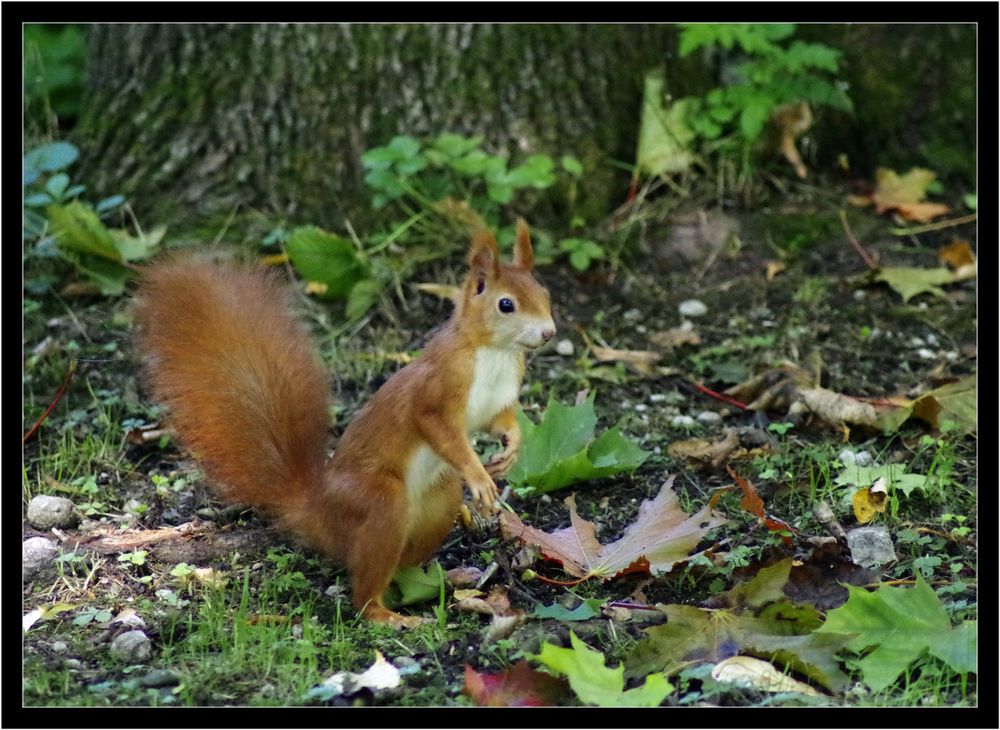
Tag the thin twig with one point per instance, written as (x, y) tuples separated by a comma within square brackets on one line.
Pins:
[(59, 394), (870, 262), (934, 226)]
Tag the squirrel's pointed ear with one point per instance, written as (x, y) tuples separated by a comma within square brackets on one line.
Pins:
[(524, 258), (484, 256)]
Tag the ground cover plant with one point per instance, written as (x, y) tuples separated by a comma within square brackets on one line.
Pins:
[(748, 474)]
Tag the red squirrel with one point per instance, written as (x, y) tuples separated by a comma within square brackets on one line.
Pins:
[(247, 394)]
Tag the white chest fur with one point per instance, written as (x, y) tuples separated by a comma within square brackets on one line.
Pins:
[(495, 384)]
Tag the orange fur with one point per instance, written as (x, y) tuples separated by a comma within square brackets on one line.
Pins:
[(247, 395)]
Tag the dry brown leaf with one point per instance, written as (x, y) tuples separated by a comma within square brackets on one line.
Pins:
[(662, 536), (773, 268), (518, 686), (905, 194), (642, 361), (464, 576), (791, 390), (958, 256), (791, 121), (753, 673), (675, 337), (705, 451)]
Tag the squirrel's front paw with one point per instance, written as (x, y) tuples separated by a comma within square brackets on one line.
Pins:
[(484, 496), (500, 464)]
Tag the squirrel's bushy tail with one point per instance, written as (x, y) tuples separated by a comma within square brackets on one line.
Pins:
[(244, 386)]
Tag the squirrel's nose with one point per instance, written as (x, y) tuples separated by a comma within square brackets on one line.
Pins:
[(548, 334)]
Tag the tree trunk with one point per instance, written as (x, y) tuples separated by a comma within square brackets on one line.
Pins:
[(191, 121)]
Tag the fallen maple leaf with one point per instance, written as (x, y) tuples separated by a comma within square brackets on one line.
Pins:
[(597, 684), (955, 402), (757, 625), (517, 686), (661, 536), (902, 623), (905, 194)]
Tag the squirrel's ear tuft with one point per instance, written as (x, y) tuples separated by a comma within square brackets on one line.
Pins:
[(524, 258), (484, 256)]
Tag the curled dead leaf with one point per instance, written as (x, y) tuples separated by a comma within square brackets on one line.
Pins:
[(869, 501)]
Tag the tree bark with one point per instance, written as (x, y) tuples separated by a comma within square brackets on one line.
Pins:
[(197, 120)]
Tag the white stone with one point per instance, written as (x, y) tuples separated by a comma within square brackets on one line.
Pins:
[(692, 308), (46, 512)]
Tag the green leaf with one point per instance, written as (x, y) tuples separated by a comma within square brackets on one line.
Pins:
[(754, 117), (534, 172), (562, 450), (137, 248), (596, 684), (405, 146), (910, 282), (57, 185), (454, 145), (363, 296), (48, 158), (894, 475), (328, 259), (500, 193), (417, 585), (782, 632), (901, 624), (78, 229), (664, 134), (571, 165), (580, 259), (38, 200), (588, 609)]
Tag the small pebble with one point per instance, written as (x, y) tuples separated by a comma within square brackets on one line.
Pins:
[(132, 647), (160, 678), (60, 647), (871, 546), (926, 354), (859, 294), (916, 342), (37, 553), (632, 315), (640, 407), (708, 417), (692, 308), (564, 347), (682, 422), (657, 398), (46, 512)]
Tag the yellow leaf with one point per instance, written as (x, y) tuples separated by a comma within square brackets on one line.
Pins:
[(869, 502)]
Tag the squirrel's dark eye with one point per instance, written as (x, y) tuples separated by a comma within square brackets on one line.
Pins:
[(505, 305)]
